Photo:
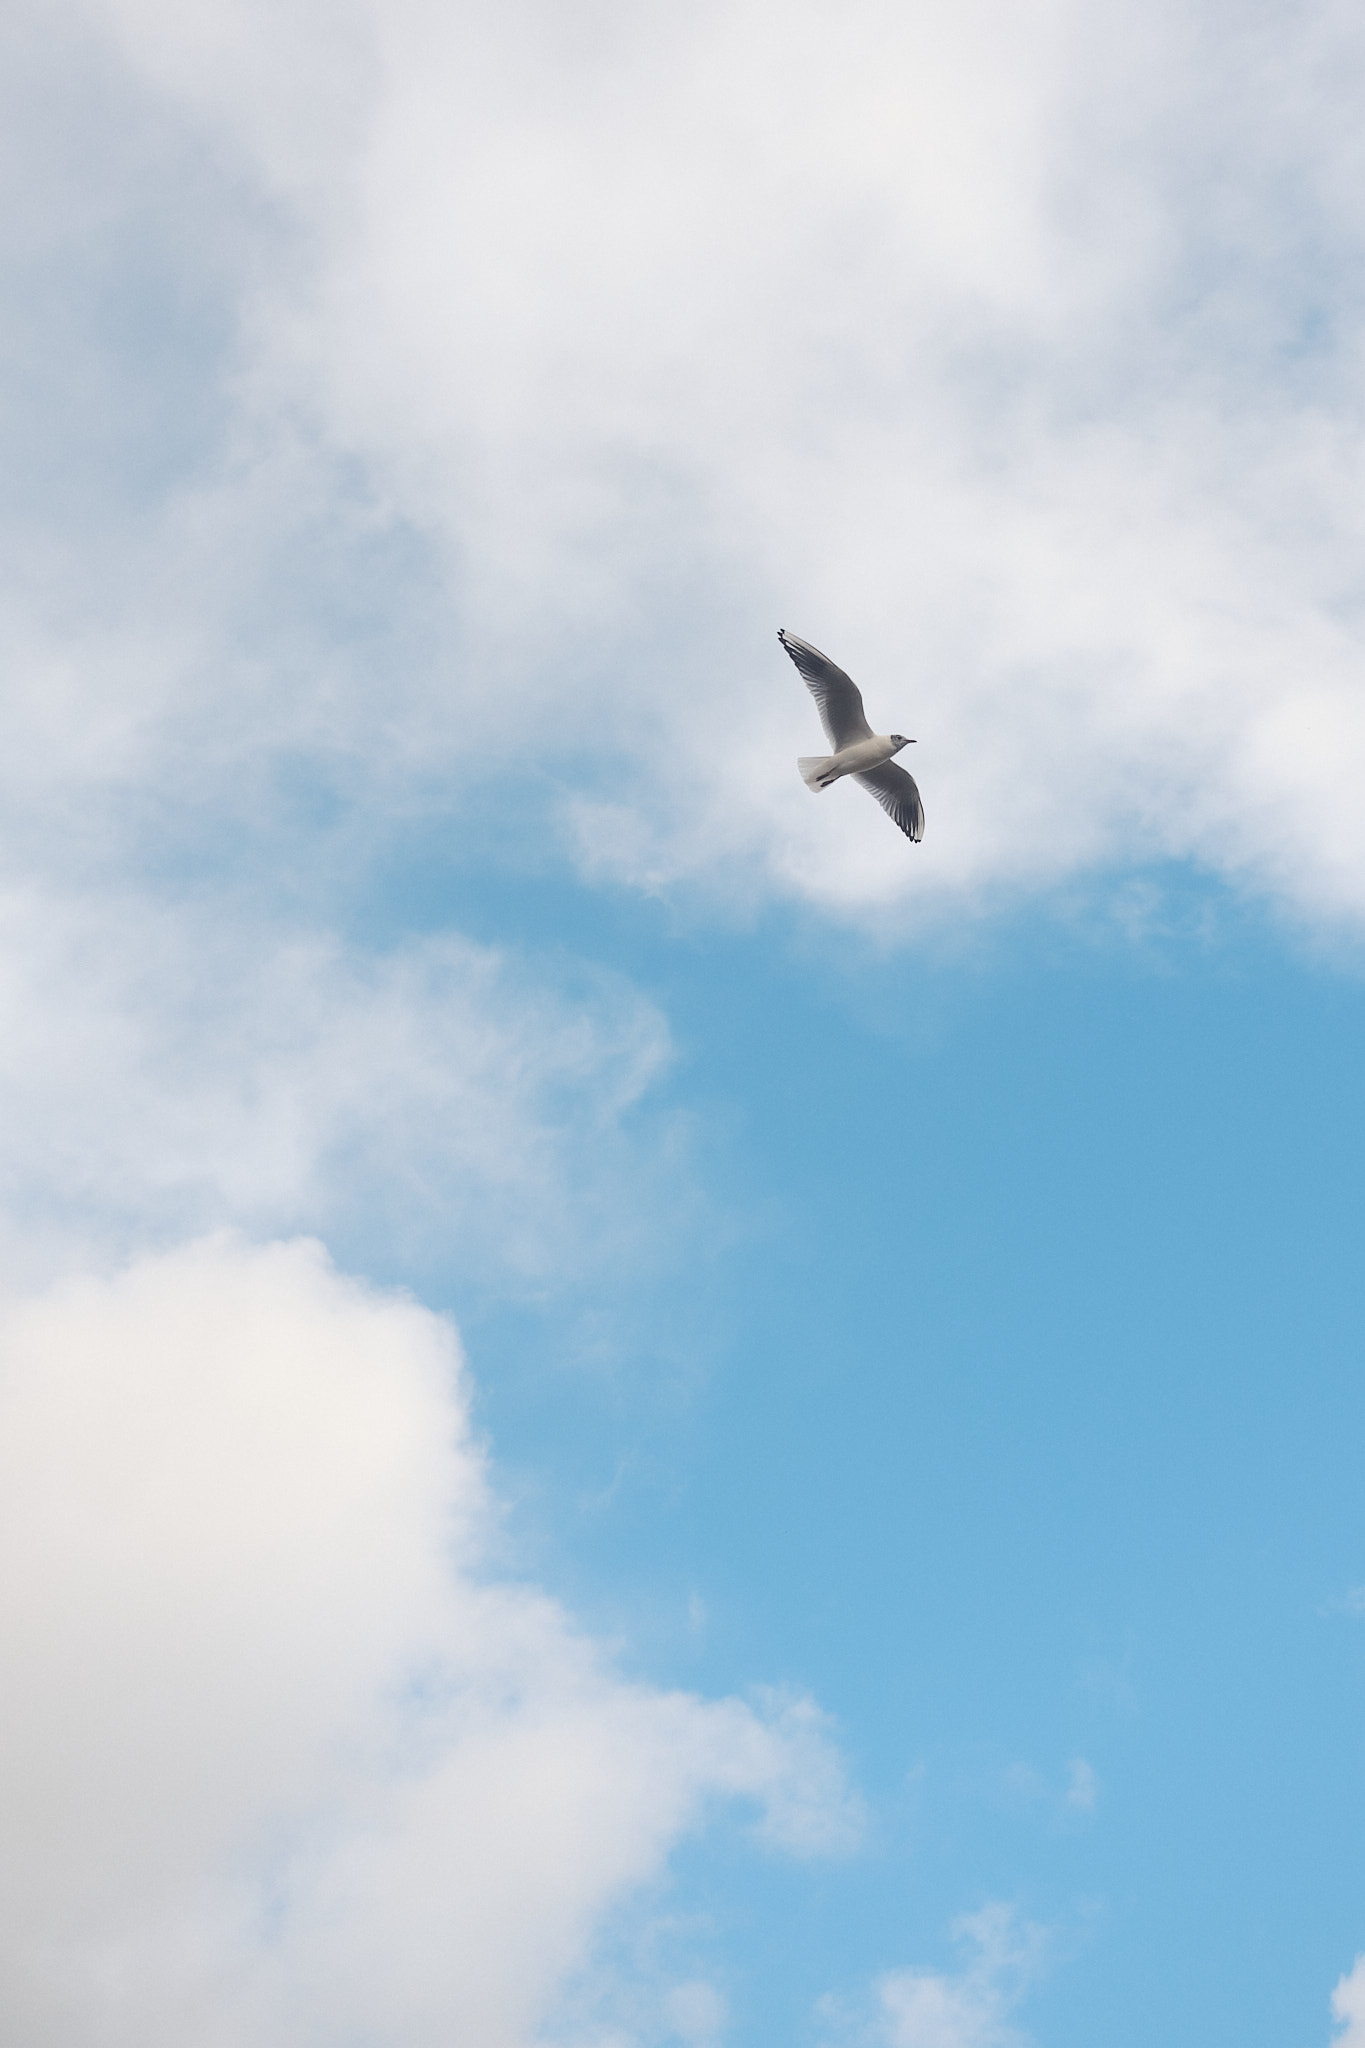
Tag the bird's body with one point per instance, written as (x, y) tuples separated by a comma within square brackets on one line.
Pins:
[(858, 751), (819, 770)]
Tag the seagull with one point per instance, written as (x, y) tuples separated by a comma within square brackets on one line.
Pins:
[(858, 751)]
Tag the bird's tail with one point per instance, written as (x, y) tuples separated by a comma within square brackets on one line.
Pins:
[(814, 768)]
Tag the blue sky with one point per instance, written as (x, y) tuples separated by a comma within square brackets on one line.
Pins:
[(1027, 1439), (636, 1415)]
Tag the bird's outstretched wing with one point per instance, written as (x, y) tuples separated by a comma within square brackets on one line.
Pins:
[(837, 695), (895, 791)]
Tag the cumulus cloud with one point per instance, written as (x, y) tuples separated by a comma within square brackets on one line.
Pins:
[(1009, 353), (966, 2008), (287, 1756)]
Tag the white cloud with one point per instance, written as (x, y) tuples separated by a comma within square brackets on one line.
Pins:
[(967, 2008), (697, 2013), (1078, 1793), (998, 348), (1083, 1786), (1348, 2007), (284, 1758), (165, 1071)]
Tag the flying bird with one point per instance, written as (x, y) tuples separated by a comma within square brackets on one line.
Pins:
[(858, 751)]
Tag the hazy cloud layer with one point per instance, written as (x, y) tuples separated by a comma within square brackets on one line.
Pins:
[(166, 1071), (528, 370), (285, 1757)]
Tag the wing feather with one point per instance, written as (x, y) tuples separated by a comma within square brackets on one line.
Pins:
[(895, 791), (838, 697)]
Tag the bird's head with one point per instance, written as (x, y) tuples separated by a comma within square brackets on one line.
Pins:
[(899, 740)]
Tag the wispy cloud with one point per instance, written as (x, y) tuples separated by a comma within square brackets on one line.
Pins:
[(966, 2008), (170, 1070), (1082, 1787)]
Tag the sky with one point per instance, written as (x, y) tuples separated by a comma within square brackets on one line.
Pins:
[(633, 1414)]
